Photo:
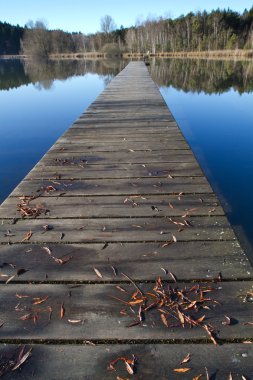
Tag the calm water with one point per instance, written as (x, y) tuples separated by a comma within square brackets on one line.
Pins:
[(211, 100)]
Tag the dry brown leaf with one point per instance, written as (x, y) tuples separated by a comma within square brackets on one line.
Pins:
[(181, 370), (168, 242), (97, 272), (164, 320), (62, 311), (186, 359), (197, 377), (211, 334), (173, 277), (10, 278), (39, 300), (181, 317), (121, 289), (129, 368), (27, 236), (26, 317), (22, 358)]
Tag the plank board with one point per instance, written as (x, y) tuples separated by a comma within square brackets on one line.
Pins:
[(100, 317), (117, 157), (187, 260), (116, 206), (83, 171), (153, 361), (144, 186), (116, 229)]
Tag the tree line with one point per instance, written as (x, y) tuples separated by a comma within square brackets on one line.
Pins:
[(199, 31)]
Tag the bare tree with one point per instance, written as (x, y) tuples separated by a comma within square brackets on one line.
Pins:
[(107, 24)]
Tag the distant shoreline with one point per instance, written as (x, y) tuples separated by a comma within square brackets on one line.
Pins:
[(212, 54)]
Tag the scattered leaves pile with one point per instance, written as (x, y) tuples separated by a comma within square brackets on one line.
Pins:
[(186, 307), (26, 211)]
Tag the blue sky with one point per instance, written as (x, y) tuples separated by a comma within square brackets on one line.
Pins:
[(84, 16)]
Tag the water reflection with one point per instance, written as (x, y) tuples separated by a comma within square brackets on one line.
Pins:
[(199, 75), (15, 73)]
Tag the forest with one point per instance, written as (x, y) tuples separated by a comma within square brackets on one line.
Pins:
[(199, 31)]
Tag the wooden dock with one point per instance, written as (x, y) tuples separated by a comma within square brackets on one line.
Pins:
[(117, 260)]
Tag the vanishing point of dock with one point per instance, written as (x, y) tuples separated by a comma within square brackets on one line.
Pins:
[(117, 260)]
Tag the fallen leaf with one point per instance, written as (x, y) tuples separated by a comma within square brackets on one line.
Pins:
[(173, 277), (97, 272), (10, 278), (62, 311), (164, 320), (22, 358), (74, 320), (22, 296), (197, 377), (182, 370), (211, 334), (186, 359), (168, 242), (27, 236), (121, 289), (129, 368), (89, 343), (26, 317), (39, 300)]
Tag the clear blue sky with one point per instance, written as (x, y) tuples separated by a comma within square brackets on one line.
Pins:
[(85, 15)]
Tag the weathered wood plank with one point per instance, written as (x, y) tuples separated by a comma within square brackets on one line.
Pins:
[(83, 171), (73, 136), (117, 157), (82, 146), (115, 206), (93, 304), (144, 186), (118, 229), (153, 361), (187, 260)]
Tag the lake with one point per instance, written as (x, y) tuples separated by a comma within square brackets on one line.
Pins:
[(210, 99)]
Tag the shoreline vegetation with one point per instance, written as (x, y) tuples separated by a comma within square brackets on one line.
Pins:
[(201, 34), (211, 54)]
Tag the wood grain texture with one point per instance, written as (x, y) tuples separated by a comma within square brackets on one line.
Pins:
[(100, 317), (153, 361), (187, 260)]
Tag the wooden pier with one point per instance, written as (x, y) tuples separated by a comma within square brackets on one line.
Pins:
[(116, 258)]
